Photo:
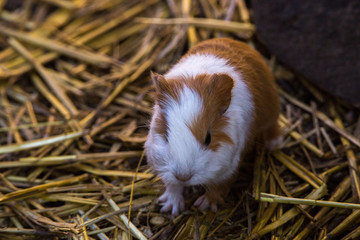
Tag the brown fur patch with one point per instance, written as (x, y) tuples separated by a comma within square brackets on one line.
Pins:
[(161, 126), (215, 91), (256, 75), (166, 90)]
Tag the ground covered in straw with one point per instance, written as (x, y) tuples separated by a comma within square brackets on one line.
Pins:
[(75, 100)]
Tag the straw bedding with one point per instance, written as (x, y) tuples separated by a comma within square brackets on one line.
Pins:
[(75, 101)]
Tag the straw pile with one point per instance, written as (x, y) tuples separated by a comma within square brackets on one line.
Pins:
[(75, 99)]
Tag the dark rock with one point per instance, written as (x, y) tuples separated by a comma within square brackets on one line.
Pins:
[(318, 39)]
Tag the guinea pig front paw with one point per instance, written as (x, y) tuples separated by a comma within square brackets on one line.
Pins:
[(204, 202), (172, 202)]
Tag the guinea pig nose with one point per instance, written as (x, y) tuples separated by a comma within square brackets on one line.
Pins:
[(183, 176)]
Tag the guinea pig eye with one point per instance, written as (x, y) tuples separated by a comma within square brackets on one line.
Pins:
[(207, 139)]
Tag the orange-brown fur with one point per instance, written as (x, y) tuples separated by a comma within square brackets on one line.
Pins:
[(261, 84), (259, 81), (257, 77), (214, 90), (216, 94), (165, 90)]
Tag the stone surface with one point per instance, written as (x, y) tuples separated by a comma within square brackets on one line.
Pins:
[(318, 39)]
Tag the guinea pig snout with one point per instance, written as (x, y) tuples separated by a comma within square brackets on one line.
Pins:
[(183, 177)]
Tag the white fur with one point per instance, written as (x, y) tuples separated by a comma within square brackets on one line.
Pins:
[(183, 153), (198, 64), (239, 112), (173, 199)]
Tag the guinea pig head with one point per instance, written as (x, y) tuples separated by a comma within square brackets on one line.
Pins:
[(189, 128)]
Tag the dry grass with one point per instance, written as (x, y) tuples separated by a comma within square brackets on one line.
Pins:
[(75, 99)]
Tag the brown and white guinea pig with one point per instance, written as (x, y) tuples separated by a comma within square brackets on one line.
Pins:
[(209, 108)]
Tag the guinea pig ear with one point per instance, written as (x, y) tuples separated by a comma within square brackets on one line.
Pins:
[(159, 81), (221, 86)]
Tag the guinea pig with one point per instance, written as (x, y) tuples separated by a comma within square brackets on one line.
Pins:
[(209, 109)]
